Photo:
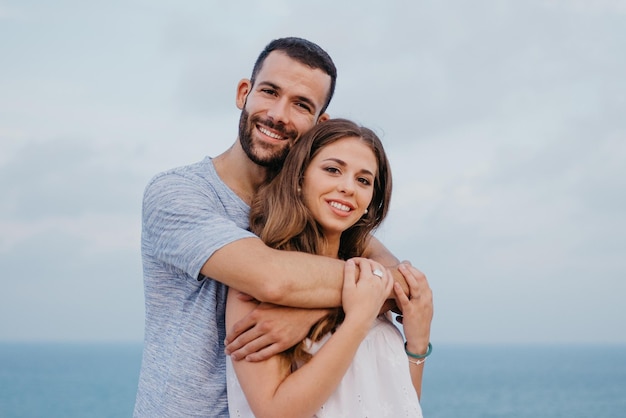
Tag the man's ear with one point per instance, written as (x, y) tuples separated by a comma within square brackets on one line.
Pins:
[(243, 89), (323, 118)]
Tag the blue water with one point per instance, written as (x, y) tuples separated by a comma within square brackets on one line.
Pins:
[(68, 380), (88, 380), (514, 381)]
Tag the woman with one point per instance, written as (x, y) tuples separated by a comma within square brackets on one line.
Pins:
[(333, 191)]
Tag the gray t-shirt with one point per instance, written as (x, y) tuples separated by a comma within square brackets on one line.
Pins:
[(188, 214)]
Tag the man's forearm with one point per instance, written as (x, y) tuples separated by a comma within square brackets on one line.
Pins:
[(286, 278)]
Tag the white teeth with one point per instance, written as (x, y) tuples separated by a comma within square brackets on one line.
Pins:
[(270, 134), (340, 206)]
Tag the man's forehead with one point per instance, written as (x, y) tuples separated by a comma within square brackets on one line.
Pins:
[(281, 71)]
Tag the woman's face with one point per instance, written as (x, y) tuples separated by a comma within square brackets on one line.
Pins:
[(338, 185)]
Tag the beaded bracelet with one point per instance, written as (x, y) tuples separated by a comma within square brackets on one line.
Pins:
[(417, 362), (419, 356)]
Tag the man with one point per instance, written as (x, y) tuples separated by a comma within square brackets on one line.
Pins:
[(195, 243)]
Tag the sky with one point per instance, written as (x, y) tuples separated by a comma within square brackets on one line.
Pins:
[(504, 122)]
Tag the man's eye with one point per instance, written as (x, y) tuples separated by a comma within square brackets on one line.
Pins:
[(304, 106)]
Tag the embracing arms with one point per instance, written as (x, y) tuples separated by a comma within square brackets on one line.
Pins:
[(286, 278), (283, 278)]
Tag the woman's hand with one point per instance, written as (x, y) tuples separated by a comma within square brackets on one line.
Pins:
[(417, 308), (366, 285)]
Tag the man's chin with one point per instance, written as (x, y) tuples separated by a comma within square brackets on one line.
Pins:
[(268, 161)]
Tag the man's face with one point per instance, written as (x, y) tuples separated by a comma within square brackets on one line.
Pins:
[(284, 102)]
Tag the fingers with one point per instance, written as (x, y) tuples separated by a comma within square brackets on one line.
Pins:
[(349, 274), (409, 277), (389, 283), (265, 353), (235, 338), (415, 279), (401, 298), (374, 273), (255, 344), (257, 349), (417, 306), (244, 296), (243, 339), (419, 291), (369, 268), (363, 297)]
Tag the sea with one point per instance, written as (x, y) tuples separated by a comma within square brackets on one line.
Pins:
[(100, 380)]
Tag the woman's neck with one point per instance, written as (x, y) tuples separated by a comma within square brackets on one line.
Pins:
[(332, 247)]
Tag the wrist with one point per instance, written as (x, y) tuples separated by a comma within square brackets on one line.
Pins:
[(418, 355), (358, 323), (420, 348)]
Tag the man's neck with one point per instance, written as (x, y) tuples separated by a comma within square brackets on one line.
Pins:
[(239, 173)]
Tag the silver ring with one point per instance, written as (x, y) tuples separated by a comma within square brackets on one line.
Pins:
[(378, 273)]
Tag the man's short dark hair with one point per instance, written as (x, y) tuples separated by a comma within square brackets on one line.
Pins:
[(305, 52)]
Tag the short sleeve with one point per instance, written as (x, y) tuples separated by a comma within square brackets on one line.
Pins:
[(185, 220)]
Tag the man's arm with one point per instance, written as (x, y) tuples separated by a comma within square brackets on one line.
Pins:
[(278, 277), (288, 278), (254, 336)]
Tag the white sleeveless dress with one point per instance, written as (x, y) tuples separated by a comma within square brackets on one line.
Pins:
[(376, 385)]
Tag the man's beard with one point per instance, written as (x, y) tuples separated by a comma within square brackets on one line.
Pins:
[(274, 158)]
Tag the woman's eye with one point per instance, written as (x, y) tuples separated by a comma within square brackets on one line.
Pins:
[(364, 181), (333, 170)]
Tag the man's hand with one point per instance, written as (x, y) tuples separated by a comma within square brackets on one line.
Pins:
[(268, 330)]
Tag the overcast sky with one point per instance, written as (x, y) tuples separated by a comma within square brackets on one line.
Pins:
[(505, 122)]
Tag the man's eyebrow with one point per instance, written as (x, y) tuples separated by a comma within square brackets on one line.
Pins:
[(278, 89), (269, 84)]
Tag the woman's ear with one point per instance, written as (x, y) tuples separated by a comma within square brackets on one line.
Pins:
[(243, 89)]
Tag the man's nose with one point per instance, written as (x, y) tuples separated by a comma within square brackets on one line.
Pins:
[(279, 111)]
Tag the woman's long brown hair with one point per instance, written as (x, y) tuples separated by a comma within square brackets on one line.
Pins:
[(280, 218)]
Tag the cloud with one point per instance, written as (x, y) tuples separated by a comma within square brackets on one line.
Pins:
[(68, 178), (503, 122), (56, 288), (589, 6)]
